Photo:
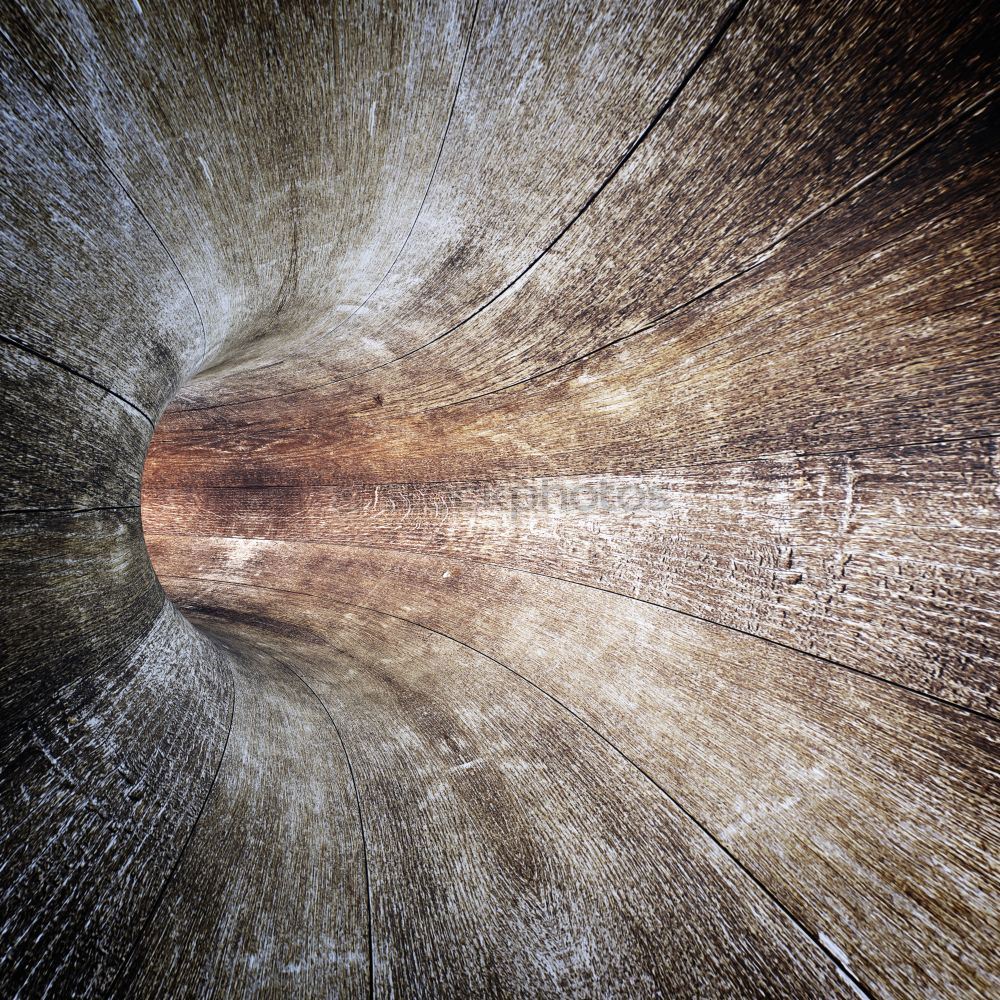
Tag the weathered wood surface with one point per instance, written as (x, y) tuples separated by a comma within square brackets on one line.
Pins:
[(271, 896), (583, 460), (65, 443), (875, 559), (97, 800), (878, 304), (137, 335), (833, 789), (486, 220), (795, 108), (497, 817), (280, 152), (79, 595)]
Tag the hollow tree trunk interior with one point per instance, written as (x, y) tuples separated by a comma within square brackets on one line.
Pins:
[(500, 499)]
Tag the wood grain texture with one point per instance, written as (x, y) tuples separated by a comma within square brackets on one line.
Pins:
[(574, 487), (99, 798), (57, 571), (873, 559), (586, 875), (484, 222), (86, 446), (864, 305), (821, 769), (280, 152), (777, 127), (271, 896), (138, 336)]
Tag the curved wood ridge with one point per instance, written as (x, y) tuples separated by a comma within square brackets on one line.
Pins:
[(501, 500)]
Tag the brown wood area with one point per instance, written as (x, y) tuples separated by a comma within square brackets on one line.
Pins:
[(501, 499)]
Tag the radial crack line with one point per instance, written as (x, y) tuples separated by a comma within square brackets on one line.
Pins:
[(72, 371), (724, 25)]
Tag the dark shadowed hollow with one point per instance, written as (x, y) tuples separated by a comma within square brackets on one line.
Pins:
[(500, 500)]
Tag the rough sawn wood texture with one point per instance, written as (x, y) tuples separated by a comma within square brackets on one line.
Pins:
[(501, 499)]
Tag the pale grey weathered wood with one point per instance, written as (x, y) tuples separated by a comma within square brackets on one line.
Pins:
[(98, 801), (277, 865)]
